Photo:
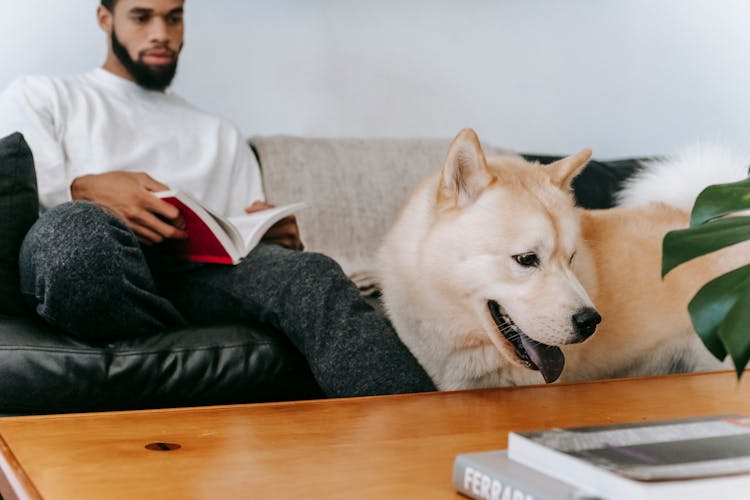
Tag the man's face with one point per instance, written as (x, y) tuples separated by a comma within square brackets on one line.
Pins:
[(146, 37)]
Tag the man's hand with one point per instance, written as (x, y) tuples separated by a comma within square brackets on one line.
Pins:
[(285, 232), (129, 195)]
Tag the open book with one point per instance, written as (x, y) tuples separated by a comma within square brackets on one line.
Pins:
[(221, 240)]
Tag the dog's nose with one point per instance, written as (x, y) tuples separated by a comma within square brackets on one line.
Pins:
[(585, 321)]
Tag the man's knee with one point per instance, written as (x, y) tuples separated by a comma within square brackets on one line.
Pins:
[(82, 267), (270, 256), (71, 244), (313, 262), (320, 274), (273, 266), (73, 235), (312, 267)]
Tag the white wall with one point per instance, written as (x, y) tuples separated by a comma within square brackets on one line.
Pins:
[(623, 77)]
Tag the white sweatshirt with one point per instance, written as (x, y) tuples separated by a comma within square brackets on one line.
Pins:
[(98, 122)]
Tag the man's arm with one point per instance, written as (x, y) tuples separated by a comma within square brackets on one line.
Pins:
[(129, 195), (30, 105)]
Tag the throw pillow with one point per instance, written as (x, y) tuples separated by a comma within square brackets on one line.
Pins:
[(19, 209)]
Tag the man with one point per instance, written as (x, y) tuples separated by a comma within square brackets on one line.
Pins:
[(93, 265)]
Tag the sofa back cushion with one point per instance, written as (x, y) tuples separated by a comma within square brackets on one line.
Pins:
[(354, 188), (19, 208)]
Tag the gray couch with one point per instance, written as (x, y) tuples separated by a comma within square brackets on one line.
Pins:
[(353, 187)]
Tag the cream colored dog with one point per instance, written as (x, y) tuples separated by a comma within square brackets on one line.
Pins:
[(492, 277)]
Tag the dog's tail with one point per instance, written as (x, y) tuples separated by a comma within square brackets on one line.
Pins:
[(678, 180)]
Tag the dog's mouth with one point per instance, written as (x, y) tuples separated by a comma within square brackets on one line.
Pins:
[(548, 359)]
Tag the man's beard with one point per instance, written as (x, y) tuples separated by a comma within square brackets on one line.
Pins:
[(149, 77)]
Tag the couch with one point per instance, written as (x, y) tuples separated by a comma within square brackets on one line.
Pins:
[(353, 187)]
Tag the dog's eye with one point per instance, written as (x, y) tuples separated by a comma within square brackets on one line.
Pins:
[(528, 259), (571, 258)]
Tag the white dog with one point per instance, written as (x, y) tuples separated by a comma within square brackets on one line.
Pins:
[(492, 276)]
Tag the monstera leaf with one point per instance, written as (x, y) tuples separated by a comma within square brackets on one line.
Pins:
[(720, 311)]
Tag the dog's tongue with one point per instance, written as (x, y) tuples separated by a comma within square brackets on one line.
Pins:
[(548, 358)]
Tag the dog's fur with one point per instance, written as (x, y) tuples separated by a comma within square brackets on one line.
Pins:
[(468, 236)]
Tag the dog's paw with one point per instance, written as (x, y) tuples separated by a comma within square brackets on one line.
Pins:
[(367, 282)]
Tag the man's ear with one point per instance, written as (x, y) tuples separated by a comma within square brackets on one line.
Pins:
[(562, 172), (465, 174), (104, 18)]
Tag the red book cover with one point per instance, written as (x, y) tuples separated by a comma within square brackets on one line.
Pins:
[(216, 239), (202, 244)]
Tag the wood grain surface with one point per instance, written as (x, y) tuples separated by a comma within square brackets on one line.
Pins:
[(377, 447)]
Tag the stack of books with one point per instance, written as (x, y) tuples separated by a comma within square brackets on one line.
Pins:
[(696, 458)]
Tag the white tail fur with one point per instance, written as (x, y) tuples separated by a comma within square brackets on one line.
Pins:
[(678, 180)]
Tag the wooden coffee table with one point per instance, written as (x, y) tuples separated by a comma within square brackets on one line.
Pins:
[(377, 447)]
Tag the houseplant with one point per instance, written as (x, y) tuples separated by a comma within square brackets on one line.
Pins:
[(720, 310)]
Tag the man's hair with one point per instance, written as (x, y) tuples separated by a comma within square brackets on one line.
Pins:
[(109, 4)]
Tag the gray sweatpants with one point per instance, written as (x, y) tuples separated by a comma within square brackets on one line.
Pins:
[(84, 271)]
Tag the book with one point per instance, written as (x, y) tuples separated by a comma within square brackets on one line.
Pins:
[(491, 475), (216, 239), (707, 457)]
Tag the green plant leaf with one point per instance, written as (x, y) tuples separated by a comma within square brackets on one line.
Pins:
[(733, 332), (683, 245), (720, 199), (711, 306)]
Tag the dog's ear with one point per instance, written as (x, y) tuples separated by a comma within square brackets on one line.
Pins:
[(465, 173), (562, 172)]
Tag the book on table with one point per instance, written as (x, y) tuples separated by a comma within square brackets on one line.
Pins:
[(695, 458), (216, 239), (491, 475)]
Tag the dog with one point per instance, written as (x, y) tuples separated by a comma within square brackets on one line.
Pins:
[(492, 276)]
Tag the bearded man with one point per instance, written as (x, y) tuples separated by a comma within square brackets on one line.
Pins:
[(93, 264)]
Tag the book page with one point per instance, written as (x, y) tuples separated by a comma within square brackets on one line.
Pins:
[(660, 450), (231, 231), (253, 226)]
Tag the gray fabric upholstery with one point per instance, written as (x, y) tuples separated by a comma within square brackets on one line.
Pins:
[(354, 188), (339, 221)]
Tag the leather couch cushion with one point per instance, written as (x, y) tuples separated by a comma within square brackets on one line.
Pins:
[(44, 371), (19, 208)]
